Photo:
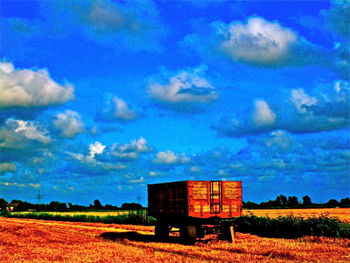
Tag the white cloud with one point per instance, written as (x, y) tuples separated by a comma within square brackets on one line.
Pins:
[(7, 167), (258, 41), (188, 87), (35, 185), (130, 151), (262, 114), (300, 99), (116, 109), (139, 145), (152, 173), (298, 113), (13, 184), (87, 164), (27, 88), (280, 138), (125, 155), (136, 181), (69, 123), (121, 110), (19, 130), (169, 157), (96, 148)]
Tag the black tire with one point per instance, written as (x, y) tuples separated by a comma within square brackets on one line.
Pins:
[(162, 230), (188, 234)]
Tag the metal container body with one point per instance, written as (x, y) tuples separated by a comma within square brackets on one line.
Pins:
[(197, 199)]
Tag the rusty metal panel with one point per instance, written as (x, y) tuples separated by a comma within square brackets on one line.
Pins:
[(168, 199), (200, 190), (202, 199)]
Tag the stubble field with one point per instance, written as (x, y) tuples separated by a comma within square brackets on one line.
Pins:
[(341, 213), (29, 240)]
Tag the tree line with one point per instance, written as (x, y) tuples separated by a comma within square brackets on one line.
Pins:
[(19, 205), (283, 201)]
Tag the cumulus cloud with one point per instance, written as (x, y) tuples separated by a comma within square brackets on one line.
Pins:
[(335, 104), (279, 138), (69, 123), (88, 164), (299, 113), (96, 148), (258, 41), (169, 157), (130, 151), (28, 88), (261, 119), (132, 23), (255, 41), (116, 109), (19, 133), (122, 111), (262, 114), (7, 167), (183, 90), (301, 100)]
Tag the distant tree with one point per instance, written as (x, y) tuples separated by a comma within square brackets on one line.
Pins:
[(250, 205), (281, 200), (345, 202), (131, 206), (97, 204), (73, 207), (110, 207), (332, 203), (16, 201), (307, 200), (293, 201), (3, 204), (57, 206), (269, 204)]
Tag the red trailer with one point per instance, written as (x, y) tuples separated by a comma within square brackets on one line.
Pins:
[(195, 207)]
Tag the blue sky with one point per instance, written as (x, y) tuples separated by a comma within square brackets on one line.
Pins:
[(100, 98)]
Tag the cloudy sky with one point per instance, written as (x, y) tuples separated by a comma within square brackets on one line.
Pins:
[(100, 98)]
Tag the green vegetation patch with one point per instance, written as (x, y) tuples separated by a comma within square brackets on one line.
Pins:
[(292, 226)]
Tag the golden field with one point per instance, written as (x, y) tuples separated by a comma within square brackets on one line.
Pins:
[(29, 240), (341, 213)]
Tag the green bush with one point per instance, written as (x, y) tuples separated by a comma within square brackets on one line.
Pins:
[(292, 226)]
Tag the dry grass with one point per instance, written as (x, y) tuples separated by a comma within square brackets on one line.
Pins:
[(341, 213), (29, 240), (86, 213)]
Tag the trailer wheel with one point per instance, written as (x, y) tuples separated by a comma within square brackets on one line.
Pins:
[(162, 230), (227, 233), (188, 234)]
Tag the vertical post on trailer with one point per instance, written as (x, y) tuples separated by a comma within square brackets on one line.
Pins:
[(232, 234)]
